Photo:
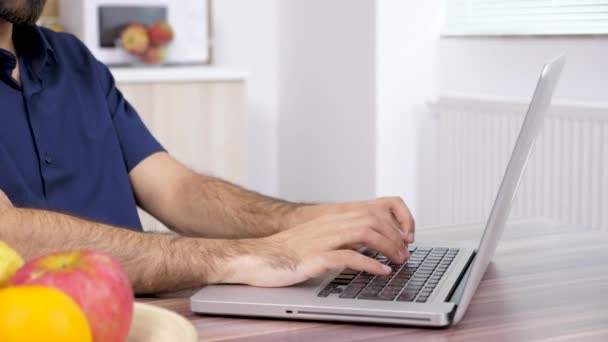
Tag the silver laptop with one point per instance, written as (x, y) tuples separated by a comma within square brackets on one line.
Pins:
[(432, 288)]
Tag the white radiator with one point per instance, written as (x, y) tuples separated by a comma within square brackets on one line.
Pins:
[(566, 177)]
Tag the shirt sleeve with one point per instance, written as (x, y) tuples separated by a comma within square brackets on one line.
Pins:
[(136, 141)]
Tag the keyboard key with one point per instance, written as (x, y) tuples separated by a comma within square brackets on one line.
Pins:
[(421, 300), (349, 271), (361, 281), (323, 294), (380, 283), (387, 296), (373, 289), (340, 281), (350, 292), (398, 282), (402, 277), (346, 276), (355, 286), (405, 273), (336, 290), (407, 296), (369, 253), (394, 290), (368, 296)]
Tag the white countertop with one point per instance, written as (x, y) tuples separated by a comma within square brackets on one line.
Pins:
[(187, 73)]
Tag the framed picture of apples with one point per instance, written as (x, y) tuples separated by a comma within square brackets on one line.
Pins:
[(148, 42), (132, 32)]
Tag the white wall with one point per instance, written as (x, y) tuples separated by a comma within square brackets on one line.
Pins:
[(510, 66), (407, 60), (327, 100), (246, 35)]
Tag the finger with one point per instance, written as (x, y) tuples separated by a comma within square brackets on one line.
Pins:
[(360, 229), (389, 227), (389, 220), (385, 224), (403, 215), (370, 238), (342, 259)]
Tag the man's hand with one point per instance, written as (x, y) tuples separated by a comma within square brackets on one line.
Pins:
[(311, 249), (390, 211)]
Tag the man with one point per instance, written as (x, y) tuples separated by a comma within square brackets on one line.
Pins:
[(75, 160)]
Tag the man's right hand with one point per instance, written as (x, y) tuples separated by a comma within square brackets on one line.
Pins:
[(311, 249)]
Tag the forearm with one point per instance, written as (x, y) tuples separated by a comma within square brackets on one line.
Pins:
[(198, 205), (154, 263), (214, 207)]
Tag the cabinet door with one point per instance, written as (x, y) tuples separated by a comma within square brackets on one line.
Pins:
[(200, 124)]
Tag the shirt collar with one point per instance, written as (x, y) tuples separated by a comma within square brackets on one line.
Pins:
[(33, 46)]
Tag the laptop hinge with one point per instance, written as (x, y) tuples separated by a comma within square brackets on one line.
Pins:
[(456, 293)]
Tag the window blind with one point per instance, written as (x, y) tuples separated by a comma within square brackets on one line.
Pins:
[(525, 17)]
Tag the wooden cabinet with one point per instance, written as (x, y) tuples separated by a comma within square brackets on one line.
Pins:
[(196, 113)]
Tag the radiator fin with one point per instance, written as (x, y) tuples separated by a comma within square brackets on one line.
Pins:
[(567, 175)]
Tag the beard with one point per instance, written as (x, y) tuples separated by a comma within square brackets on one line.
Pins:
[(21, 12)]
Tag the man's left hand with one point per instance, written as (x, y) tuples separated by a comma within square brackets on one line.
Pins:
[(391, 210)]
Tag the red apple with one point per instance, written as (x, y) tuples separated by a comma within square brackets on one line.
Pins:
[(95, 280), (134, 39), (154, 55), (160, 33)]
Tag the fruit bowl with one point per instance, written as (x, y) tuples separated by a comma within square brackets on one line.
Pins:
[(153, 324)]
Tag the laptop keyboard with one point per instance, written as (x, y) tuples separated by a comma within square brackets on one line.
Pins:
[(412, 281)]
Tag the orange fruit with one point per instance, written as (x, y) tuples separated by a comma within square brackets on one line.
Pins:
[(39, 313)]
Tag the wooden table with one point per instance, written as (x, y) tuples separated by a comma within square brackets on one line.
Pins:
[(547, 282)]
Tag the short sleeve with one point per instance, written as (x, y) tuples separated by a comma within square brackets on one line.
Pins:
[(136, 141)]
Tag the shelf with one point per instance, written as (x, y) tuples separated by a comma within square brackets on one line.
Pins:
[(201, 73)]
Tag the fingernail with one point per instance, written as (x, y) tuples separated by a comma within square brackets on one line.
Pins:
[(404, 234), (410, 237), (387, 269)]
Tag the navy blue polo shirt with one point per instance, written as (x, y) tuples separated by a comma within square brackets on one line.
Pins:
[(68, 138)]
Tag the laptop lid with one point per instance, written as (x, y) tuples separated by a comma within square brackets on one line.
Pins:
[(506, 193)]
